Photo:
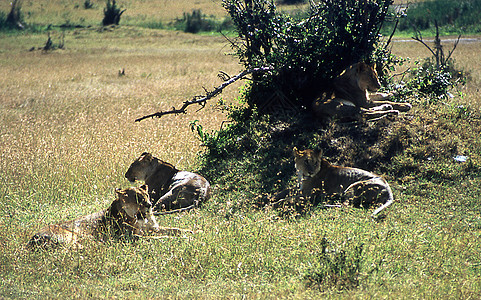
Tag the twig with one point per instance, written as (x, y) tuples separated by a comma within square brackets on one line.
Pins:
[(419, 38), (398, 18), (201, 100), (400, 74), (454, 47)]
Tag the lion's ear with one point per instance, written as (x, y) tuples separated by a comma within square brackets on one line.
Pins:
[(146, 156), (144, 187), (361, 67), (295, 152)]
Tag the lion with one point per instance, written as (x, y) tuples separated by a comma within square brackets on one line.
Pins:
[(359, 187), (170, 188), (354, 95), (129, 214)]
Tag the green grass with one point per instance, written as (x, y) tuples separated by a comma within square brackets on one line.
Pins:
[(68, 136)]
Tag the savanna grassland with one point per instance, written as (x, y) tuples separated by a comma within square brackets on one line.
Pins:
[(68, 135)]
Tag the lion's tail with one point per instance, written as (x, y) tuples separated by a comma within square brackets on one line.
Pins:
[(388, 203)]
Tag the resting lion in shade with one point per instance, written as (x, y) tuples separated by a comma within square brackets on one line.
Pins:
[(130, 213), (355, 186), (169, 187), (354, 95)]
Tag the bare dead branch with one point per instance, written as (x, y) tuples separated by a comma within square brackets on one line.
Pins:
[(419, 38), (400, 11), (201, 100), (400, 74), (454, 48)]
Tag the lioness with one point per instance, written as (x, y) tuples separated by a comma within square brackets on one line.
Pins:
[(130, 213), (350, 96), (169, 187), (361, 188)]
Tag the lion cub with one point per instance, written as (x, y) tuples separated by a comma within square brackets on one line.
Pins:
[(361, 188)]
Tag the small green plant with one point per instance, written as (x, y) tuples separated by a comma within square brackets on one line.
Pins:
[(14, 19), (196, 22), (431, 82), (339, 269), (199, 129), (437, 76), (112, 14), (88, 4), (50, 45)]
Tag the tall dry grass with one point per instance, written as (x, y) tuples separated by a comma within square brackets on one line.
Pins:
[(68, 117)]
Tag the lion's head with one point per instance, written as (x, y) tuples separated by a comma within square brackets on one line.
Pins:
[(367, 78), (308, 162), (140, 168), (135, 203)]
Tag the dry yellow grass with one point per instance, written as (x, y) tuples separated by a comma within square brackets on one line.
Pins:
[(70, 110)]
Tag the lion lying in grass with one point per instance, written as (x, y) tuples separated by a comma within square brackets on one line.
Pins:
[(169, 187), (355, 186), (130, 213), (350, 97)]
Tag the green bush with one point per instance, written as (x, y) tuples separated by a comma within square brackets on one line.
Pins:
[(432, 82), (112, 14), (14, 19), (251, 156), (196, 22), (3, 19), (306, 53)]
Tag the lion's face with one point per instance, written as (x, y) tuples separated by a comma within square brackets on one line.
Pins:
[(367, 77), (139, 169), (308, 162), (135, 202)]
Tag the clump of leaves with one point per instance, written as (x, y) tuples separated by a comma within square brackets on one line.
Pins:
[(431, 82)]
